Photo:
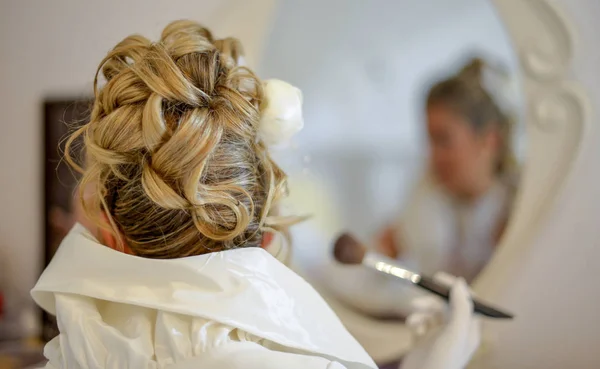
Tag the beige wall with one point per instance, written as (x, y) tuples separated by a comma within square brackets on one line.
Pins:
[(50, 49)]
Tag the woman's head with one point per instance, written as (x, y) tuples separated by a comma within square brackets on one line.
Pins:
[(172, 148), (468, 133)]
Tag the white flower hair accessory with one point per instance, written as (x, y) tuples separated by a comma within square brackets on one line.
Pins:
[(281, 117)]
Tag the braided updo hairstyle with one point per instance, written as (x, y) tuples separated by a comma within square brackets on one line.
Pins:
[(171, 147)]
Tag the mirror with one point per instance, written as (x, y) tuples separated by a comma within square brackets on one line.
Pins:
[(399, 144)]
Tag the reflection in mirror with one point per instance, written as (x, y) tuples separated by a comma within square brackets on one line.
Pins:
[(413, 137)]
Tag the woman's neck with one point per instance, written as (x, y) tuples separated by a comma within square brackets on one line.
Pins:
[(477, 189)]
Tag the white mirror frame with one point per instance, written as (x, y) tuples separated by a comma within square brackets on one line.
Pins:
[(557, 117)]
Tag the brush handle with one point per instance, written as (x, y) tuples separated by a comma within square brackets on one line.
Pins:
[(444, 291)]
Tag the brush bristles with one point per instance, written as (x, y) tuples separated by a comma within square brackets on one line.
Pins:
[(347, 250)]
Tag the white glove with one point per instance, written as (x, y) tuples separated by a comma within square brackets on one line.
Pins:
[(446, 337)]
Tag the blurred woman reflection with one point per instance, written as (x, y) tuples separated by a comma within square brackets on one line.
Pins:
[(457, 213)]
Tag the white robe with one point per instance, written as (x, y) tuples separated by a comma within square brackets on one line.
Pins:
[(432, 231), (234, 309), (439, 233)]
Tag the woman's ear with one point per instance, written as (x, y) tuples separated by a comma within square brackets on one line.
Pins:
[(109, 239), (493, 138), (267, 238)]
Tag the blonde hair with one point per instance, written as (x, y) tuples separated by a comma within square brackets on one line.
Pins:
[(172, 149), (466, 94)]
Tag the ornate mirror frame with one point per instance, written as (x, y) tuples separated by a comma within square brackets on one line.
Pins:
[(557, 115), (557, 118)]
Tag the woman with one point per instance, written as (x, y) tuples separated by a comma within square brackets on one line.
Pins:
[(175, 274), (458, 212)]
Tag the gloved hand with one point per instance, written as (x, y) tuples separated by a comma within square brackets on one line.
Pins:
[(446, 337)]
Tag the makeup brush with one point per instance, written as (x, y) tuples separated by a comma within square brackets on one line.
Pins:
[(348, 250)]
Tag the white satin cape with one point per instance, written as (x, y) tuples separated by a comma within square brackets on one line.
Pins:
[(234, 309)]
